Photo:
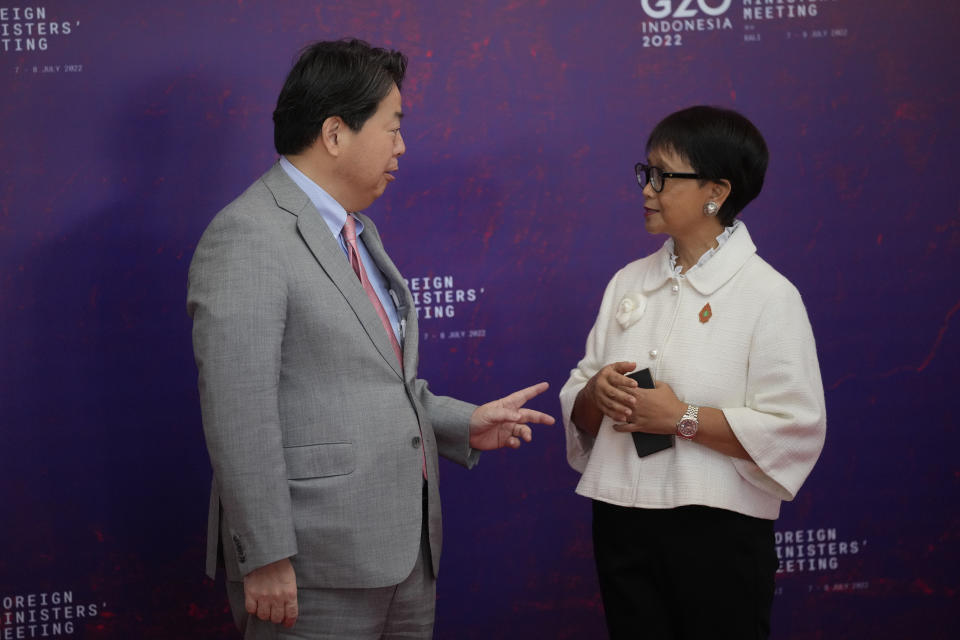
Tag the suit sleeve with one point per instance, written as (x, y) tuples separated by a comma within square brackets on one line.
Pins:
[(237, 299), (451, 424)]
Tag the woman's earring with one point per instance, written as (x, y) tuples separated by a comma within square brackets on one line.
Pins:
[(710, 209)]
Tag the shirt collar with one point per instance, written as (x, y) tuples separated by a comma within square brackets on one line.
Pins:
[(725, 262), (721, 239), (330, 210)]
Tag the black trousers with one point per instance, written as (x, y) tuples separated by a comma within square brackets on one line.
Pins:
[(691, 572)]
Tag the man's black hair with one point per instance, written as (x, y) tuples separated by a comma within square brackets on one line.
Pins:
[(345, 78)]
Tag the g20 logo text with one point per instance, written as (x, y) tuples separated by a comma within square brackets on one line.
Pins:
[(664, 8)]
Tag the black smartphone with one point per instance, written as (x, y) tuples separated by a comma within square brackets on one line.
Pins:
[(647, 443)]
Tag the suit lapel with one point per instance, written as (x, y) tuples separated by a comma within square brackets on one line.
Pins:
[(405, 306), (316, 234)]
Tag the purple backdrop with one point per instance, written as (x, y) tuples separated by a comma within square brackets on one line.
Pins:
[(124, 126)]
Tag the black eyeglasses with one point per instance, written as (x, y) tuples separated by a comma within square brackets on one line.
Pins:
[(655, 176)]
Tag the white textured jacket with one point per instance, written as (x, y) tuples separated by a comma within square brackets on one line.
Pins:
[(754, 358)]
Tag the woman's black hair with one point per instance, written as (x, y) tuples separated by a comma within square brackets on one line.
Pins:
[(719, 144)]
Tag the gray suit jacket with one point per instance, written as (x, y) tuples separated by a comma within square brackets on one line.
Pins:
[(313, 430)]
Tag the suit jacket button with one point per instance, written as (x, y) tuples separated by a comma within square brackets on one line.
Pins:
[(241, 555), (415, 442)]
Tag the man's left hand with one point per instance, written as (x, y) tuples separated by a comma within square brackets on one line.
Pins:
[(502, 423)]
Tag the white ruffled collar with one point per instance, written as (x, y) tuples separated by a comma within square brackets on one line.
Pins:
[(721, 240)]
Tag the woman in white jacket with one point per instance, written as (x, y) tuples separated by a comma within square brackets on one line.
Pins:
[(683, 537)]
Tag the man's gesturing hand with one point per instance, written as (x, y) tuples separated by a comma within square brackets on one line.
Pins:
[(502, 423)]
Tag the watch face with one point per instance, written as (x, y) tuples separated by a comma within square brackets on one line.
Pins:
[(687, 428)]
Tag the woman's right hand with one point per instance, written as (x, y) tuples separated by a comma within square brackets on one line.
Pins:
[(607, 393), (609, 389)]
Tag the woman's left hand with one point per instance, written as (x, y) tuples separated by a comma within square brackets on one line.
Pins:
[(656, 411)]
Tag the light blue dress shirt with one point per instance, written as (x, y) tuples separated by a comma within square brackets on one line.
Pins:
[(336, 216)]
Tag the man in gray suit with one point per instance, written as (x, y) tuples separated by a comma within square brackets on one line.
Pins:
[(324, 508)]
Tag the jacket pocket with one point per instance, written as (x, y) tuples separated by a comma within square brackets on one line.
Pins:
[(320, 460)]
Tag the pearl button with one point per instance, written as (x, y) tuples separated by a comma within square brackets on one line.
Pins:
[(675, 288), (653, 354)]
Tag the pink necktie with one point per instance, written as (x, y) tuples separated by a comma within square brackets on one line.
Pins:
[(350, 236)]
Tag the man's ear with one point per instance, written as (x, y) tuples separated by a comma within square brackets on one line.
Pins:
[(719, 191), (331, 135)]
